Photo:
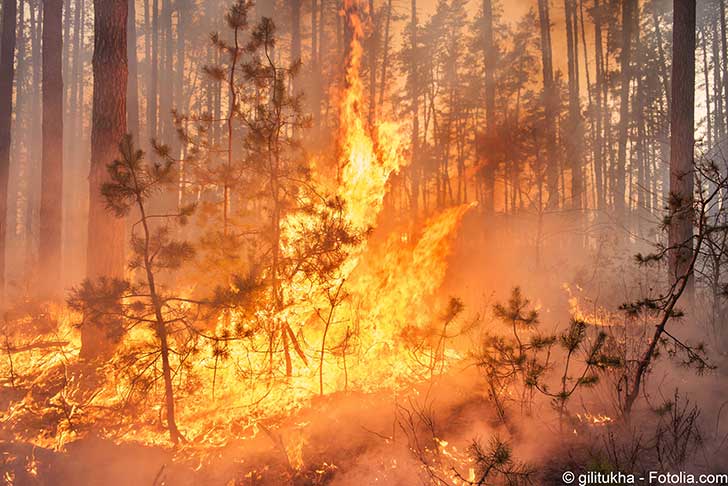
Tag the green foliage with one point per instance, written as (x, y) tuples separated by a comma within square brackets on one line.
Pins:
[(494, 464), (132, 180), (516, 310), (527, 359)]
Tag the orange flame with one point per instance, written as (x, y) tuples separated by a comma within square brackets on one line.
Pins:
[(390, 284)]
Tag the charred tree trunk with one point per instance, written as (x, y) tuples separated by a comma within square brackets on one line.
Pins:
[(108, 126), (682, 141), (51, 191)]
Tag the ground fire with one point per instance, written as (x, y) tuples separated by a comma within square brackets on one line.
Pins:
[(354, 242)]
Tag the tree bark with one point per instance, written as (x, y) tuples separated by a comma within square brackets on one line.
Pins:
[(724, 46), (575, 135), (489, 58), (7, 71), (105, 231), (628, 9), (373, 53), (682, 140), (385, 55), (154, 72), (599, 165), (717, 84), (414, 163), (51, 193), (550, 101), (295, 30), (133, 85)]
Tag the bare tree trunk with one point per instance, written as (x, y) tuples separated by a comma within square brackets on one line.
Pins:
[(132, 92), (682, 140), (108, 126), (490, 61), (628, 9), (550, 100), (314, 99), (166, 89), (575, 132), (7, 72), (295, 30), (724, 45), (373, 47), (385, 55), (51, 193), (74, 166), (19, 142), (320, 56), (717, 83), (414, 164), (706, 75), (35, 152), (599, 165), (152, 95)]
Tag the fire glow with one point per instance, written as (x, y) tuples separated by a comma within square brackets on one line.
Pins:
[(387, 285)]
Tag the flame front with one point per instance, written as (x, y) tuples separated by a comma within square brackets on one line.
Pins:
[(390, 284), (365, 167)]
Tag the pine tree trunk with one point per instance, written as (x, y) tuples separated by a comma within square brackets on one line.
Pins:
[(7, 67), (35, 148), (717, 84), (17, 196), (724, 45), (108, 126), (66, 57), (75, 165), (628, 9), (550, 101), (490, 62), (132, 93), (373, 47), (414, 163), (152, 95), (51, 193), (682, 140), (385, 55), (166, 89), (575, 132), (295, 30), (706, 85), (599, 165)]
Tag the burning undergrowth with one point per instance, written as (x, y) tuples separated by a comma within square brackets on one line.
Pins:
[(360, 314), (339, 361)]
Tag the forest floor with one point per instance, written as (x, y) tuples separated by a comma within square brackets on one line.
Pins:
[(341, 439)]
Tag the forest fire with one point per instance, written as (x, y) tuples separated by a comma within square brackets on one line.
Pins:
[(375, 297), (355, 242)]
